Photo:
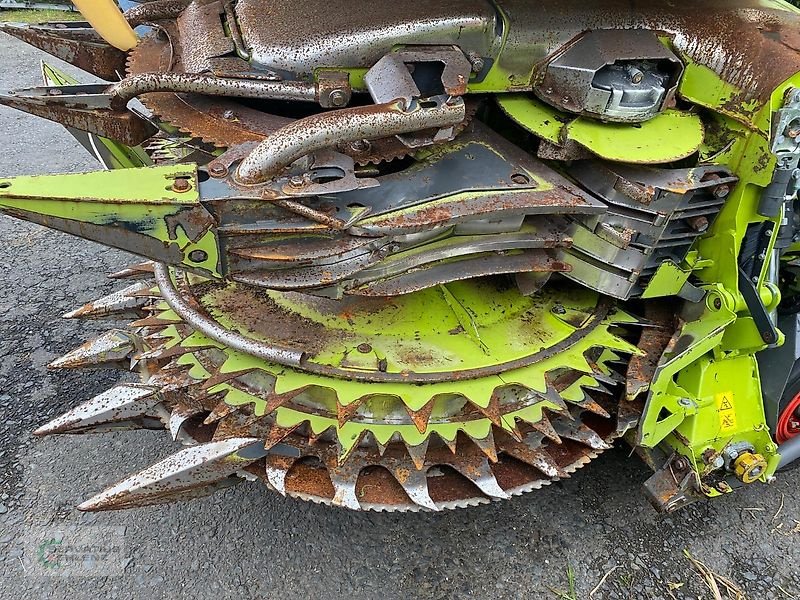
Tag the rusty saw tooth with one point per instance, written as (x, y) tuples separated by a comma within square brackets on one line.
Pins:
[(487, 446), (190, 473), (125, 406), (76, 43), (418, 453), (421, 417), (592, 406), (344, 488), (111, 350), (220, 411), (532, 453), (545, 427), (579, 432), (414, 483), (137, 271), (478, 471)]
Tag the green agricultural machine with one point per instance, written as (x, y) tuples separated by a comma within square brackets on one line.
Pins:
[(408, 256)]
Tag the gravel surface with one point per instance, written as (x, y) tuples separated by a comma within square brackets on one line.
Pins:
[(247, 542)]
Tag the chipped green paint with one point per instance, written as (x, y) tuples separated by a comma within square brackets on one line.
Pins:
[(132, 209)]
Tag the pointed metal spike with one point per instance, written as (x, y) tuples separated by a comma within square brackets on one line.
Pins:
[(480, 473), (144, 269), (418, 453), (75, 43), (180, 414), (415, 484), (344, 487), (345, 412), (531, 452), (125, 406), (221, 410), (120, 304), (113, 350), (589, 404), (579, 432), (487, 446), (155, 321), (68, 106), (421, 417), (219, 377), (551, 394), (276, 435), (492, 411), (193, 471), (545, 427), (172, 352), (344, 452)]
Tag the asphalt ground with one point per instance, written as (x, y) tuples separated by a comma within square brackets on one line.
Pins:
[(595, 529)]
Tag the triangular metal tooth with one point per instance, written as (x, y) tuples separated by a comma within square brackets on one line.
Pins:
[(545, 427), (144, 269), (579, 432), (421, 417), (276, 435), (591, 405), (492, 410), (344, 452), (181, 413), (277, 467), (173, 380), (220, 377), (155, 321), (344, 488), (192, 472), (111, 350), (530, 452), (121, 304), (162, 353), (480, 473), (415, 484), (418, 453), (345, 412), (551, 394), (138, 271), (487, 446), (125, 406), (221, 410)]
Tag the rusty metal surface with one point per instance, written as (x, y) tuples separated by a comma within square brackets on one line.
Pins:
[(325, 130), (155, 10), (76, 46), (712, 33), (301, 37)]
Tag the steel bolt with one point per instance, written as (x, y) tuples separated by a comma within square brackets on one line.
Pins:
[(296, 181), (217, 169), (685, 402), (723, 487), (337, 98), (681, 464), (181, 185), (229, 115), (698, 223), (364, 348), (721, 191), (360, 146), (559, 310), (717, 303), (476, 61)]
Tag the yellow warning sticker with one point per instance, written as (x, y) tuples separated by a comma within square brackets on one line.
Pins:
[(727, 413)]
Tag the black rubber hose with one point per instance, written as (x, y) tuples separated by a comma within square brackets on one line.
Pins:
[(789, 451)]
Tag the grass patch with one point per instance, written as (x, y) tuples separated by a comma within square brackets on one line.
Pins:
[(38, 16)]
